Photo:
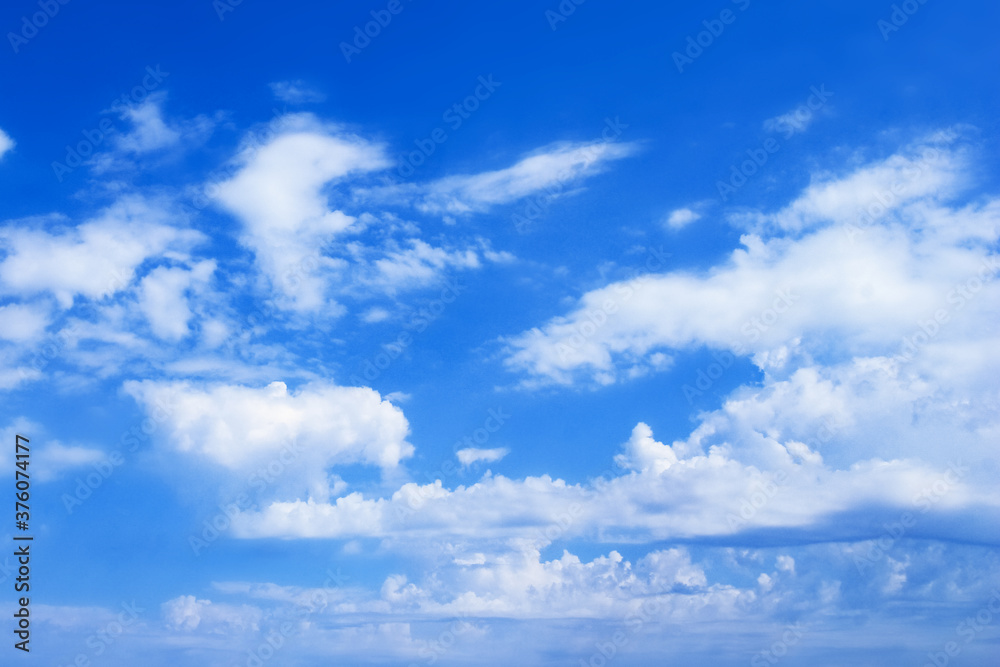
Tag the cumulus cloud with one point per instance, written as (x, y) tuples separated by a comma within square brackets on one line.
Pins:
[(895, 270), (847, 421), (643, 453), (514, 604), (94, 259), (697, 495), (315, 427)]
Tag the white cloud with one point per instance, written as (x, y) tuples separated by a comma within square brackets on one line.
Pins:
[(418, 265), (303, 246), (695, 495), (471, 455), (49, 457), (163, 301), (681, 218), (785, 564), (6, 143), (931, 170), (643, 453), (151, 133), (551, 169), (793, 122), (514, 605), (307, 430), (23, 322), (375, 315), (94, 259), (55, 458), (296, 92), (774, 296), (278, 194), (187, 613)]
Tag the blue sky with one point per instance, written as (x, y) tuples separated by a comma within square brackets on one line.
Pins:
[(539, 333)]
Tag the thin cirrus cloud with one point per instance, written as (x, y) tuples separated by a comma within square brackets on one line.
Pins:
[(550, 169), (295, 92)]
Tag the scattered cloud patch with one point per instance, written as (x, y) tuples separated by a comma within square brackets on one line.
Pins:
[(680, 218), (6, 143), (295, 92), (471, 455)]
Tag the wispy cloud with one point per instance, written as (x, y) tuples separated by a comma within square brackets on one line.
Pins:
[(6, 143), (296, 92)]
